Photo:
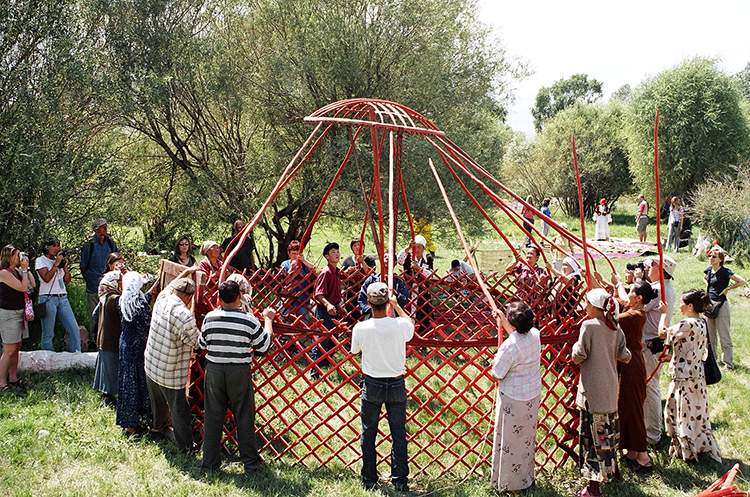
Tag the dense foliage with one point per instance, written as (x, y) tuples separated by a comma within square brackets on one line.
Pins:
[(563, 94), (219, 90), (721, 207), (53, 154), (702, 127), (602, 156)]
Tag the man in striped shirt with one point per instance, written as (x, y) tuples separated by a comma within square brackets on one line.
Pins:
[(230, 336)]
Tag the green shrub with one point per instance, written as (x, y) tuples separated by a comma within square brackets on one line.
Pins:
[(721, 207)]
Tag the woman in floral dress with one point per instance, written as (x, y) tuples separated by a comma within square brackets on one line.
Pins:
[(516, 366), (686, 412)]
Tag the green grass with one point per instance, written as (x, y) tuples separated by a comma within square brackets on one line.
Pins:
[(86, 454)]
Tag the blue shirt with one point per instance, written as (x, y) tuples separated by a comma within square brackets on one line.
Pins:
[(95, 262), (402, 292)]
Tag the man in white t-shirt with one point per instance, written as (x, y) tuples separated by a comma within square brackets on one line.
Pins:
[(382, 341), (54, 274)]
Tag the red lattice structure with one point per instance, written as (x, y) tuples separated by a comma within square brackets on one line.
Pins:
[(451, 395)]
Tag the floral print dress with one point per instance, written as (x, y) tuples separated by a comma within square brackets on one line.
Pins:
[(686, 412)]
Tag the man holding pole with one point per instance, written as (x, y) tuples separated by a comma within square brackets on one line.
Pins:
[(382, 341)]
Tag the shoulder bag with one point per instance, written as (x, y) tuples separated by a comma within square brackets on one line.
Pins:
[(710, 367)]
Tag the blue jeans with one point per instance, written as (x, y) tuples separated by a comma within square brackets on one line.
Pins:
[(392, 393), (325, 345), (59, 307)]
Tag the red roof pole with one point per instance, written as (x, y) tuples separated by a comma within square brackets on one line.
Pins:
[(472, 262), (663, 296), (658, 207), (580, 208), (391, 222)]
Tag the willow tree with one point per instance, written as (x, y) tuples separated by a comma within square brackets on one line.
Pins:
[(702, 128), (221, 88)]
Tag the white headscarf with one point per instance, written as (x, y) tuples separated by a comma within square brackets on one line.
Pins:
[(573, 264), (132, 297)]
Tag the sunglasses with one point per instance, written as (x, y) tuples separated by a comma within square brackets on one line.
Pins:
[(712, 256)]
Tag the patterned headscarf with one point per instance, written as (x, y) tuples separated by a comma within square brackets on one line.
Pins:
[(108, 285), (600, 299), (132, 297)]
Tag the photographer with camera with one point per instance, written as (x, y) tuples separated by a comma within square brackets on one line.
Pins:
[(15, 283), (54, 274)]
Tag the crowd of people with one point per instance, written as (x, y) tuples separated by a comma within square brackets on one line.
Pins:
[(144, 352)]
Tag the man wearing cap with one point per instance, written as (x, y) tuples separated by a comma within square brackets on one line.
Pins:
[(171, 338), (93, 263), (230, 336), (417, 263), (382, 341), (653, 345)]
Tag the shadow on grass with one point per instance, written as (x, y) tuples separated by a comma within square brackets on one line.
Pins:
[(678, 475)]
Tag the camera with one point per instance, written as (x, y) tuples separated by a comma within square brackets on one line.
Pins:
[(22, 255), (64, 253), (633, 267)]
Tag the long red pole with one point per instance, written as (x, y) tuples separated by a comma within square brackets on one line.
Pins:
[(663, 295), (657, 205), (469, 255), (580, 208)]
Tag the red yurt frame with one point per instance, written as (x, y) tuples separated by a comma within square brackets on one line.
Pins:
[(313, 419)]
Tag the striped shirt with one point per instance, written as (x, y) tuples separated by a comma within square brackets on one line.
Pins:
[(171, 338), (230, 336)]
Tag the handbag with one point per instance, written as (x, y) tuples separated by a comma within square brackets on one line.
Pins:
[(40, 310), (28, 313), (712, 311), (710, 367)]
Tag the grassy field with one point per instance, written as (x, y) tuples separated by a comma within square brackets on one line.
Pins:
[(86, 454)]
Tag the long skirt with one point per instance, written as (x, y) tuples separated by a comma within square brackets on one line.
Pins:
[(105, 376), (602, 227), (514, 443), (630, 407), (687, 421), (599, 439)]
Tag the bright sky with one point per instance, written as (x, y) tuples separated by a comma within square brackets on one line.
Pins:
[(616, 43)]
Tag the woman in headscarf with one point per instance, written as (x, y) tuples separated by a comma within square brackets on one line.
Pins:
[(108, 337), (133, 404), (566, 289), (601, 343), (212, 263)]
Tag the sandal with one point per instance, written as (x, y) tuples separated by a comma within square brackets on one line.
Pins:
[(5, 388), (17, 383), (640, 469)]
